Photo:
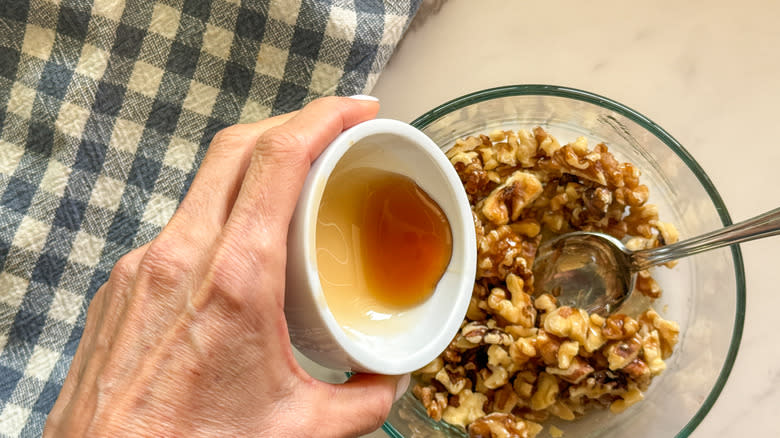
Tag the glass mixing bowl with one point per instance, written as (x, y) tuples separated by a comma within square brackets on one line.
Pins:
[(705, 293)]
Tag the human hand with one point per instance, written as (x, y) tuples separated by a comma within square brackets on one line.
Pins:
[(188, 335)]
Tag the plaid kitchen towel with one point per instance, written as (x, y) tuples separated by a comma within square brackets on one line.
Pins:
[(106, 109)]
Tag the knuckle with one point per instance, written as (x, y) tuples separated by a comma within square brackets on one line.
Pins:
[(225, 136), (280, 144), (124, 269), (166, 262)]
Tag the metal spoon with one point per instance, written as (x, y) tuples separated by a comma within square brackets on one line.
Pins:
[(596, 272)]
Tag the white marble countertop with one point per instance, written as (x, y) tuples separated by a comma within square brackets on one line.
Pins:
[(707, 71)]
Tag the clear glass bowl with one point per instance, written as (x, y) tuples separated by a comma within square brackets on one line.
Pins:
[(705, 294)]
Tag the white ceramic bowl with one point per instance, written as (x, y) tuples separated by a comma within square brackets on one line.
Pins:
[(418, 334)]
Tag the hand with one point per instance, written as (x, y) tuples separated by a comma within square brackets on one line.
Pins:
[(188, 335)]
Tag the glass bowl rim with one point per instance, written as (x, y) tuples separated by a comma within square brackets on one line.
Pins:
[(595, 99)]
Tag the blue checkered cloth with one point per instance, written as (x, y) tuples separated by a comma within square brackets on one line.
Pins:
[(106, 109)]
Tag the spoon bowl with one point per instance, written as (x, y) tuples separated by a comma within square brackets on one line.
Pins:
[(596, 272), (587, 270)]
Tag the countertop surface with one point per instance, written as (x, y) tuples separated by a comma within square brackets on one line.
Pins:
[(706, 71)]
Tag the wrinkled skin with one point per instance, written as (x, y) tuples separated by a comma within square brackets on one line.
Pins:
[(188, 336)]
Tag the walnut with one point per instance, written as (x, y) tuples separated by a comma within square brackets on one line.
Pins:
[(546, 303), (478, 333), (469, 408), (583, 166), (637, 370), (504, 399), (503, 425), (494, 376), (577, 370), (546, 142), (526, 227), (567, 322), (498, 356), (595, 338), (516, 310), (668, 331), (646, 285), (500, 252), (524, 384), (474, 332), (619, 326), (508, 199), (651, 350), (629, 398), (475, 312), (640, 218), (522, 350), (562, 411), (547, 345), (621, 353), (546, 392), (566, 353), (527, 147), (434, 402), (453, 379)]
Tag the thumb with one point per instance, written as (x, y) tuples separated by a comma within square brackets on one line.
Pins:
[(361, 404)]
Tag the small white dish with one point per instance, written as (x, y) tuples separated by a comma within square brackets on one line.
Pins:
[(421, 332)]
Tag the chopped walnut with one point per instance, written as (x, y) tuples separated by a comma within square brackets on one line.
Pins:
[(668, 331), (516, 310), (577, 370), (452, 379), (469, 408), (632, 396), (619, 326), (621, 353), (521, 358), (546, 392), (503, 425), (510, 198), (567, 322), (434, 402)]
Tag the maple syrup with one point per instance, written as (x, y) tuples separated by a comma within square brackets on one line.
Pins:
[(382, 244)]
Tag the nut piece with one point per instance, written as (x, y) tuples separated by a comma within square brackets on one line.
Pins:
[(619, 326), (566, 353), (434, 402), (621, 353), (567, 322), (651, 350), (517, 310), (668, 331), (468, 410), (503, 425), (510, 198), (546, 392), (574, 373), (629, 398), (452, 379)]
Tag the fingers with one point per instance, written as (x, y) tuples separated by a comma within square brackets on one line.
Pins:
[(252, 249), (214, 188), (280, 162), (360, 405)]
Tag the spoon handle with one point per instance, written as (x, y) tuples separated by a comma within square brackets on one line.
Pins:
[(763, 225)]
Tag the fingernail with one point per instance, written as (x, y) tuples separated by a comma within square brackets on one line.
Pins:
[(364, 97), (402, 386)]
